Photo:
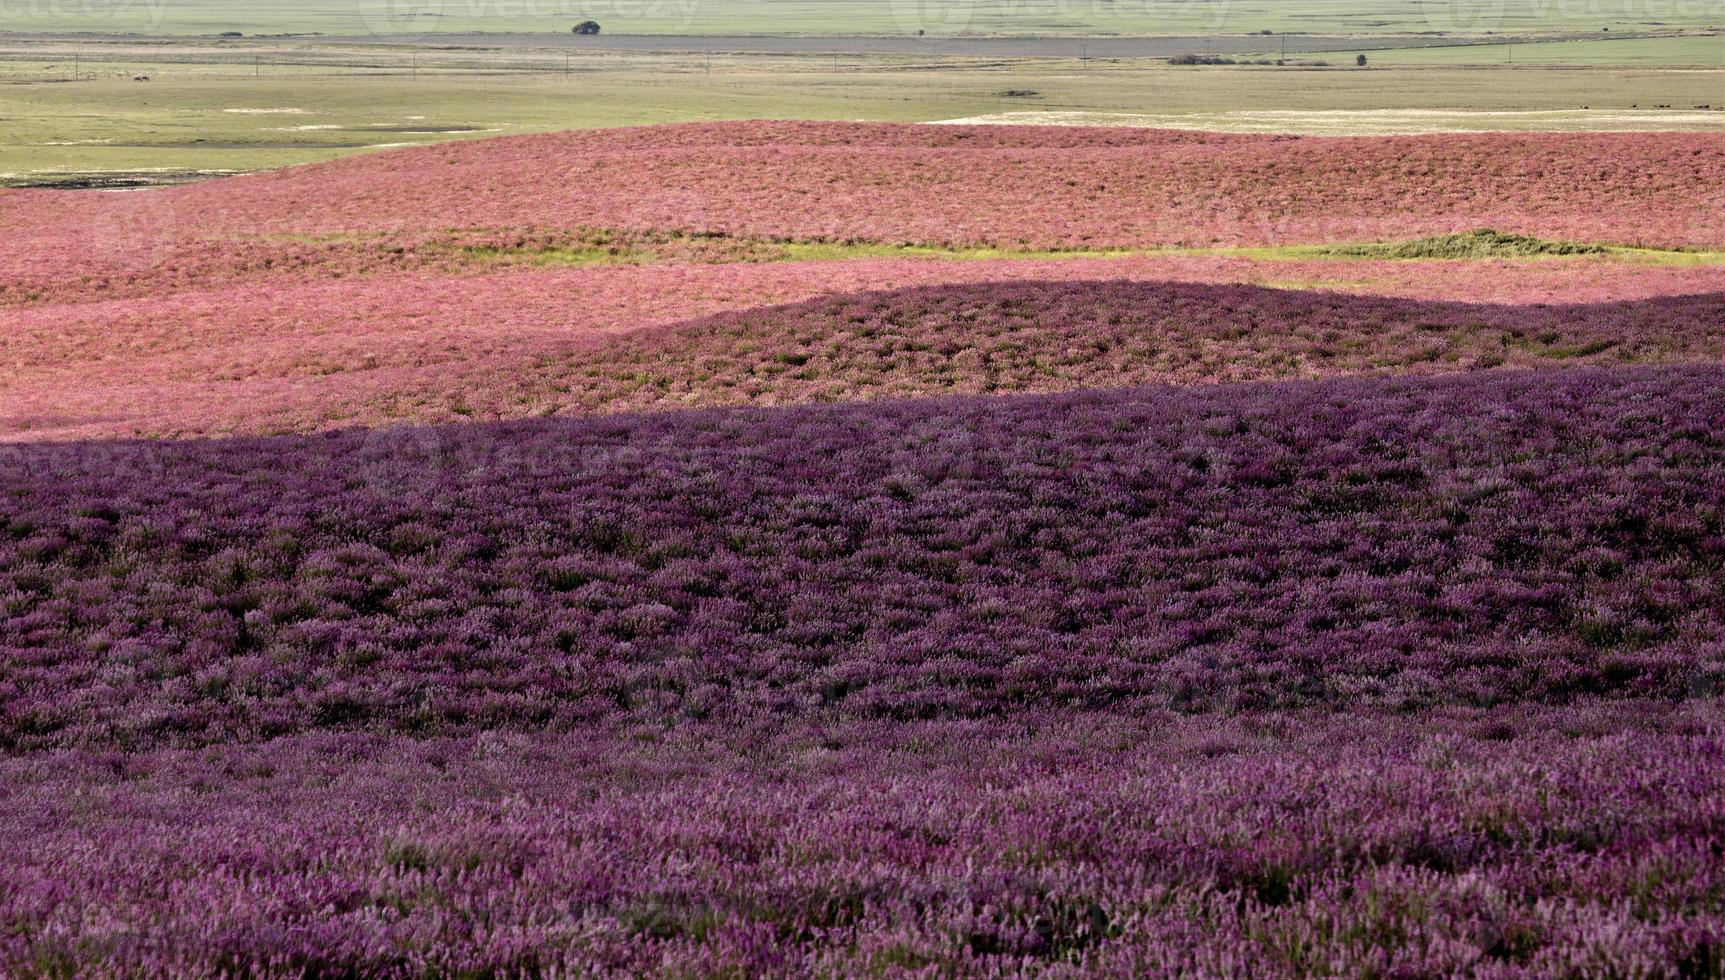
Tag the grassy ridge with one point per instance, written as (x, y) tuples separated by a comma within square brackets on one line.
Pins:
[(1483, 244)]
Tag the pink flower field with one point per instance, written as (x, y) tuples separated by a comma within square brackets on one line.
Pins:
[(824, 549), (999, 186), (300, 350)]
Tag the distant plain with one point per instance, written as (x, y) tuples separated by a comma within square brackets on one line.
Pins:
[(77, 111)]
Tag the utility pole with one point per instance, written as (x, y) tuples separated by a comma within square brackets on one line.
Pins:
[(257, 66)]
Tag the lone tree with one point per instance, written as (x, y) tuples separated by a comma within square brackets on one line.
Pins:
[(587, 27), (1360, 60)]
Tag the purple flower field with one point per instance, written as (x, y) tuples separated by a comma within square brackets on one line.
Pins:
[(688, 552), (1525, 842), (1383, 543), (1388, 676)]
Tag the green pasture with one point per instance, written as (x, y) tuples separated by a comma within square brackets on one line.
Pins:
[(70, 108), (1688, 49)]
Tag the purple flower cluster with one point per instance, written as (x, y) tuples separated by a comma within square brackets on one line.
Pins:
[(1515, 842), (1469, 540)]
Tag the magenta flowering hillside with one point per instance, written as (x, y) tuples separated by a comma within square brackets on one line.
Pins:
[(1265, 678), (829, 550), (1049, 336), (1386, 543), (378, 261), (425, 349), (1013, 187), (1042, 187)]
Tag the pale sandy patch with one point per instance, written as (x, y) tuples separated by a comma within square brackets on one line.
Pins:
[(1352, 122)]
